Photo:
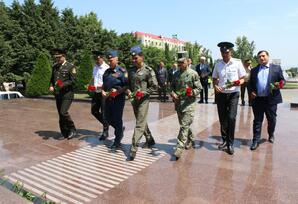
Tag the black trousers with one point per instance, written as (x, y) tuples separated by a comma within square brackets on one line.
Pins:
[(227, 104), (162, 92), (204, 90), (97, 110), (63, 102), (261, 105), (114, 111)]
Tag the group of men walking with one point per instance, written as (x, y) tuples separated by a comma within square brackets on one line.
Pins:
[(111, 83)]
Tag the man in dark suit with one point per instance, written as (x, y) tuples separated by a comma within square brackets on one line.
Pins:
[(62, 84), (203, 71), (265, 81), (162, 78)]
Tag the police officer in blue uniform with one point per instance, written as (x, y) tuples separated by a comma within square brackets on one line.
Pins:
[(115, 81)]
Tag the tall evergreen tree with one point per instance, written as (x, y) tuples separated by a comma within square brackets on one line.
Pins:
[(38, 83), (85, 71)]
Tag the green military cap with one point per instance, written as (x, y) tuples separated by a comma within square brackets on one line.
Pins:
[(57, 52)]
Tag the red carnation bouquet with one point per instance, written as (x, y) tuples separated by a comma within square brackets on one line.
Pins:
[(184, 92), (137, 95), (91, 88), (230, 84), (277, 85), (59, 84), (112, 93)]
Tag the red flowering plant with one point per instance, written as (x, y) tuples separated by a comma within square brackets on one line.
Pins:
[(230, 84), (59, 84), (277, 85), (137, 95)]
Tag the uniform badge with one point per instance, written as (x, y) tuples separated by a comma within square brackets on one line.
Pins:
[(74, 71)]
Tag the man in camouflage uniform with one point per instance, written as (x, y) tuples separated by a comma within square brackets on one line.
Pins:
[(142, 82), (185, 87), (62, 82)]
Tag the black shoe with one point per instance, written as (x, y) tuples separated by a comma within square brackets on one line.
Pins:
[(104, 135), (190, 144), (271, 139), (116, 146), (200, 101), (243, 103), (206, 102), (254, 145), (149, 144), (71, 134), (132, 156), (230, 149), (222, 145)]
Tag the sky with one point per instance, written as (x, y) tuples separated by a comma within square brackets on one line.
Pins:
[(271, 24)]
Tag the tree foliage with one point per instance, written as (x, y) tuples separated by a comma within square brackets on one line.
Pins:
[(85, 71), (29, 28), (244, 49), (38, 83)]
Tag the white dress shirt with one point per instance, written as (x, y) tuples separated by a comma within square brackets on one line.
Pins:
[(98, 71), (231, 71)]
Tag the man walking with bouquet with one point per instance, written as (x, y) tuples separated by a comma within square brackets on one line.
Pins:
[(184, 89), (266, 81), (228, 75), (142, 82)]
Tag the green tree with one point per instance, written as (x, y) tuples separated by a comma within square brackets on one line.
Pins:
[(38, 83), (85, 71), (153, 56), (244, 49), (125, 42)]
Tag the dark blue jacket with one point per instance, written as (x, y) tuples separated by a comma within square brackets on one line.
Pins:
[(275, 75)]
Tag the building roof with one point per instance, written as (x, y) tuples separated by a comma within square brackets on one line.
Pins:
[(158, 37)]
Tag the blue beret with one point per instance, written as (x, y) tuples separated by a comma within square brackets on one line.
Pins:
[(112, 53), (225, 46), (135, 50)]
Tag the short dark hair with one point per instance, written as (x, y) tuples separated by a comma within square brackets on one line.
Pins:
[(267, 53), (247, 61)]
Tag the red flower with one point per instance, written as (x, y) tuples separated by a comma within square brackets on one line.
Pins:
[(281, 84), (139, 95), (59, 83), (91, 88), (236, 83), (188, 91), (113, 94)]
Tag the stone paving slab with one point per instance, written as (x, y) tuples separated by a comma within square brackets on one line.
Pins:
[(84, 170)]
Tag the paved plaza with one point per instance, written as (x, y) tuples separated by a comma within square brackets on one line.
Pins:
[(83, 170)]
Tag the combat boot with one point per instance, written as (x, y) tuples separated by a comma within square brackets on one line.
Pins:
[(190, 144), (131, 156), (149, 144), (178, 153)]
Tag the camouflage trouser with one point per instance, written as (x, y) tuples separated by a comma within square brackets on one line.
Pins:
[(140, 109), (185, 133)]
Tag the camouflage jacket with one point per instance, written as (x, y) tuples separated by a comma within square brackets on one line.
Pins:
[(182, 80)]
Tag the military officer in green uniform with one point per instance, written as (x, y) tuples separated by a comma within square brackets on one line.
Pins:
[(142, 82), (184, 89), (62, 82)]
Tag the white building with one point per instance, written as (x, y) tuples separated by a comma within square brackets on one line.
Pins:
[(159, 41)]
